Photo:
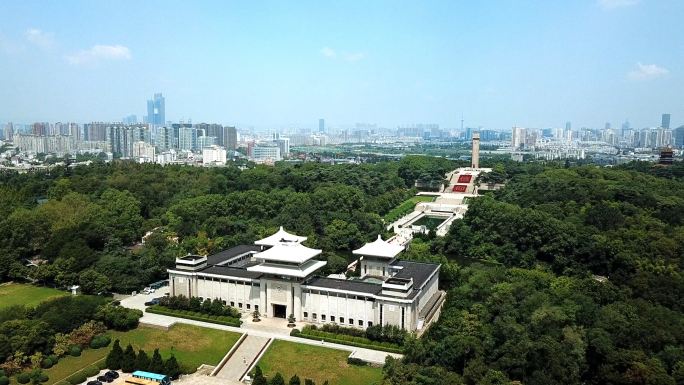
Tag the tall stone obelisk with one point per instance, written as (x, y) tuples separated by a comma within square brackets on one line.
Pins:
[(476, 150)]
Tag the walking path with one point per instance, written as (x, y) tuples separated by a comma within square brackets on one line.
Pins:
[(243, 358), (267, 328)]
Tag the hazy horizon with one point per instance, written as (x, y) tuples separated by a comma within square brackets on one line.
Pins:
[(499, 63)]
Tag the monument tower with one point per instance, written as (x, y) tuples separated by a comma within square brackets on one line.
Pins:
[(476, 150)]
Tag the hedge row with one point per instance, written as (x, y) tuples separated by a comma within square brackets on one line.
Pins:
[(221, 320), (375, 345), (398, 212)]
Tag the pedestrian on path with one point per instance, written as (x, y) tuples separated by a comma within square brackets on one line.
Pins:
[(244, 360)]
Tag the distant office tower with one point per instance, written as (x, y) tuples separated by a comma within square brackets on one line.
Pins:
[(284, 145), (156, 110), (518, 136), (666, 121), (607, 126), (229, 138), (9, 132), (476, 151), (679, 136), (130, 119), (321, 125), (567, 126)]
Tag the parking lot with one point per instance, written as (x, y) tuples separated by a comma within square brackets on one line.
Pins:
[(117, 381)]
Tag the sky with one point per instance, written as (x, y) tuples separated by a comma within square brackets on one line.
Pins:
[(288, 63)]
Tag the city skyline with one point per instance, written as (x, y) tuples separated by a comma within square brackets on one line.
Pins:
[(500, 64)]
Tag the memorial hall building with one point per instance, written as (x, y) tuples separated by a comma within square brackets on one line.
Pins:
[(277, 276)]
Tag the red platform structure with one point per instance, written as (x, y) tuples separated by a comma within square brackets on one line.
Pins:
[(461, 188), (464, 178)]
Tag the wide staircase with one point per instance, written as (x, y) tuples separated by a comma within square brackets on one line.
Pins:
[(237, 365)]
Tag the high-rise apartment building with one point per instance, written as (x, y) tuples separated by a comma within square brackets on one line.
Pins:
[(321, 125), (666, 121), (230, 141), (568, 126), (9, 132), (164, 139), (96, 132), (187, 138), (40, 129), (156, 110), (213, 155), (518, 137)]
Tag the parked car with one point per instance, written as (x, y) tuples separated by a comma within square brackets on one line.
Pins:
[(167, 295), (112, 373), (94, 383), (155, 300), (116, 303), (105, 379), (149, 303)]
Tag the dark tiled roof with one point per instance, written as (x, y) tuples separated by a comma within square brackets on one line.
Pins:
[(419, 271), (340, 284), (223, 256), (230, 272)]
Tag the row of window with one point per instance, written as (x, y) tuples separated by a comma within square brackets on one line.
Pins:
[(347, 296), (314, 317), (232, 304), (212, 279)]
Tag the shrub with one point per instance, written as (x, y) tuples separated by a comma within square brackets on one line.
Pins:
[(23, 378), (46, 364), (43, 377), (54, 359), (358, 340), (65, 382), (385, 344), (315, 333), (205, 316), (221, 318), (349, 338), (212, 317), (356, 361), (295, 331), (366, 341), (75, 351), (340, 337), (77, 378), (91, 370), (394, 346), (375, 343), (3, 373), (4, 380), (102, 364)]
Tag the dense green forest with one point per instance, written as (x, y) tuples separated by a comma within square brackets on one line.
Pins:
[(589, 291)]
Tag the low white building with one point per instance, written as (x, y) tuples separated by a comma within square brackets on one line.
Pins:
[(277, 276), (213, 155)]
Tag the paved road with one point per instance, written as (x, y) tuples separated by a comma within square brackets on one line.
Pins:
[(267, 328)]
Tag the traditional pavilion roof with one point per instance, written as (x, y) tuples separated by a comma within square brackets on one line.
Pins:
[(288, 253), (379, 248), (280, 237), (301, 271)]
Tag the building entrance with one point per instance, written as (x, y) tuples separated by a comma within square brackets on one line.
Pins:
[(279, 311)]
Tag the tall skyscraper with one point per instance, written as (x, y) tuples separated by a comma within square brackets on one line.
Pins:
[(608, 126), (567, 126), (9, 132), (156, 110), (321, 125), (229, 138), (666, 121)]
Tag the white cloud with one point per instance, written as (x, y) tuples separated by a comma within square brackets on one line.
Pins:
[(353, 56), (613, 4), (10, 46), (99, 53), (41, 39), (327, 52), (647, 72)]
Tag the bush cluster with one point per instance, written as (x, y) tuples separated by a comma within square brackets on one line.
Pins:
[(356, 361), (222, 320), (392, 335), (100, 341), (77, 378), (360, 342), (193, 306)]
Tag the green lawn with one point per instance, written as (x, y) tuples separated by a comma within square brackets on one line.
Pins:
[(21, 294), (317, 363), (192, 346), (406, 207)]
